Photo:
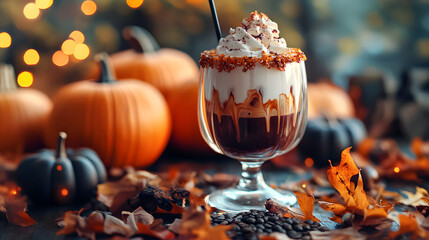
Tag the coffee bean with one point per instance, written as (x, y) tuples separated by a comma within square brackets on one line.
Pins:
[(277, 228), (247, 225), (260, 220), (298, 228), (293, 234), (268, 225), (287, 226), (288, 220), (260, 226), (309, 222), (249, 220)]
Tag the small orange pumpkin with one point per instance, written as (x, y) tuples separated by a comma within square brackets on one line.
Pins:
[(327, 99), (126, 122), (164, 68), (22, 115)]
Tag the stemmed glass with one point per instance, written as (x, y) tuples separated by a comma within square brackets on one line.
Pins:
[(252, 116)]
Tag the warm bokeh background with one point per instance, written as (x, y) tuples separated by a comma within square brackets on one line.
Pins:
[(382, 42)]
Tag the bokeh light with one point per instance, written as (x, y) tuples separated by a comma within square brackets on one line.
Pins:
[(64, 192), (309, 162), (77, 36), (68, 47), (396, 170), (134, 3), (60, 59), (25, 79), (5, 40), (31, 57), (88, 7), (31, 11), (81, 51), (44, 4)]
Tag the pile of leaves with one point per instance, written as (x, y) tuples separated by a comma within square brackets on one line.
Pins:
[(170, 205)]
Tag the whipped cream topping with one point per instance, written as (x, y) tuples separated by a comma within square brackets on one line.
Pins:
[(257, 35)]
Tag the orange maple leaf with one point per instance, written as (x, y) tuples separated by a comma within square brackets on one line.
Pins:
[(355, 199), (306, 203), (340, 178)]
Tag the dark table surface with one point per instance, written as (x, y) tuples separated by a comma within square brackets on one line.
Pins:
[(46, 227)]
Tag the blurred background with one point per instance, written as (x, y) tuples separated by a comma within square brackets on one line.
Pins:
[(377, 50)]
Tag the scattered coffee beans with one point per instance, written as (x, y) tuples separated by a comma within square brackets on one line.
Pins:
[(247, 225)]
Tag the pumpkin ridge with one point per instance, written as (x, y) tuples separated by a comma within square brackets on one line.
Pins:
[(128, 132), (137, 129), (108, 101), (114, 133)]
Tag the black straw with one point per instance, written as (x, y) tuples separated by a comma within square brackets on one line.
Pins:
[(215, 20)]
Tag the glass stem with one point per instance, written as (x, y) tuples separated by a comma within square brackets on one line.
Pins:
[(251, 176)]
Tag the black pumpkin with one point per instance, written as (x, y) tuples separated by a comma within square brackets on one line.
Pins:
[(61, 176), (325, 138)]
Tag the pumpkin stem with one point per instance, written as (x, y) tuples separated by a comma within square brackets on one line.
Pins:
[(61, 146), (107, 75), (7, 78), (140, 39)]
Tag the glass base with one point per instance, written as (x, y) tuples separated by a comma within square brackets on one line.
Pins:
[(237, 200)]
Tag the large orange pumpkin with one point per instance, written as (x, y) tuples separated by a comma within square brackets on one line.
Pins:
[(22, 115), (164, 68), (326, 98), (186, 136), (175, 74), (126, 122)]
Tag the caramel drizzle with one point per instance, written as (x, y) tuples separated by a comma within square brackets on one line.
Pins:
[(253, 106)]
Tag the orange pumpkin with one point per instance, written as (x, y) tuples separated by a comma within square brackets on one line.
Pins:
[(22, 115), (127, 123), (326, 98), (164, 68), (186, 136)]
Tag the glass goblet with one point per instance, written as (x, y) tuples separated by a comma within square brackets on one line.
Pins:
[(252, 115)]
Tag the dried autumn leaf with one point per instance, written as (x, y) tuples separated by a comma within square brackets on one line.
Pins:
[(306, 203), (137, 216), (96, 222), (15, 207), (274, 206), (156, 229), (175, 226), (336, 208), (116, 194), (408, 225), (420, 198), (196, 224), (340, 178)]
